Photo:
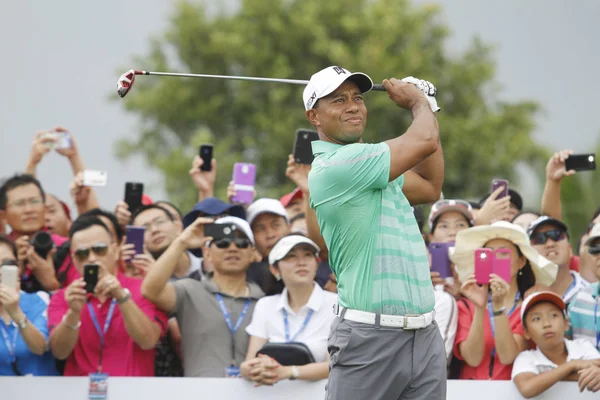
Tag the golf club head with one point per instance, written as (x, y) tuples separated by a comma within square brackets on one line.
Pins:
[(125, 82)]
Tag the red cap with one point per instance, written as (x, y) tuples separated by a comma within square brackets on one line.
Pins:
[(288, 198), (146, 200)]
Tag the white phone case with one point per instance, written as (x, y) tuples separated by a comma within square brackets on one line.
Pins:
[(9, 276), (94, 178)]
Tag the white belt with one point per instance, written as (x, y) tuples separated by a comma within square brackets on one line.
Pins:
[(407, 322)]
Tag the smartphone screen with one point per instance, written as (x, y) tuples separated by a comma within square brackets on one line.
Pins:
[(135, 236), (90, 277), (483, 266), (244, 177), (496, 183), (440, 261), (206, 154), (9, 276), (502, 264), (302, 150), (133, 195), (581, 162)]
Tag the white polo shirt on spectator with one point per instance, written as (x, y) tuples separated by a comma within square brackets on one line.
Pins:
[(267, 320), (446, 317), (577, 284), (536, 362)]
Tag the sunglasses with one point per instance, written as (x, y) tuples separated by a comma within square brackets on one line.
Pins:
[(593, 250), (83, 253), (542, 237), (240, 243)]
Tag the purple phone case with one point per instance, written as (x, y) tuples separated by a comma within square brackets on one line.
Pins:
[(502, 265), (440, 261), (496, 183), (135, 236), (244, 177), (483, 266)]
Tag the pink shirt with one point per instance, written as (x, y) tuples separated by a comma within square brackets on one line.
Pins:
[(121, 355)]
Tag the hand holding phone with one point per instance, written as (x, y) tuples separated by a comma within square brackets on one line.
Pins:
[(90, 277), (502, 261), (244, 178), (302, 150), (581, 162), (220, 231), (135, 236), (93, 178), (440, 260), (133, 195), (497, 183), (9, 276), (206, 154), (483, 266)]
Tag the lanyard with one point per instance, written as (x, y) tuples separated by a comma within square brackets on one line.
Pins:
[(286, 324), (11, 347), (493, 326), (238, 323), (102, 333), (571, 287)]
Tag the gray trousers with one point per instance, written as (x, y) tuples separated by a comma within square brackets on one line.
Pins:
[(381, 363)]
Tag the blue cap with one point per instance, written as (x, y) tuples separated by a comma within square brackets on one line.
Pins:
[(212, 206)]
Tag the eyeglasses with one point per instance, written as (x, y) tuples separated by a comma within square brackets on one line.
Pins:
[(240, 243), (21, 203), (542, 237), (99, 249), (156, 222)]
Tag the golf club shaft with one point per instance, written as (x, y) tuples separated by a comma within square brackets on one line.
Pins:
[(376, 87)]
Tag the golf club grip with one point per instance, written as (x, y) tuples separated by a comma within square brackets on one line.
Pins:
[(378, 87)]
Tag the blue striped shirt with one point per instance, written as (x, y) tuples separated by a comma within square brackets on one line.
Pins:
[(584, 314)]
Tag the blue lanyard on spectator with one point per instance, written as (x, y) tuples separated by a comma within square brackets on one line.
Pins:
[(286, 325), (10, 346), (571, 287), (102, 333), (232, 329), (493, 326)]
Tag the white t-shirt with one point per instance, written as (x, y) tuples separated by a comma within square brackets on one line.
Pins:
[(267, 320), (536, 362), (446, 317)]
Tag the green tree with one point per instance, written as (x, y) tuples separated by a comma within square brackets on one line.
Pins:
[(255, 122)]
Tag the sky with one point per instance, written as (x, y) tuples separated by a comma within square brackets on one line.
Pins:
[(61, 61)]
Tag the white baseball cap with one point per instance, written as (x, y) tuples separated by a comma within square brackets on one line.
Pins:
[(240, 223), (262, 206), (329, 79), (286, 244)]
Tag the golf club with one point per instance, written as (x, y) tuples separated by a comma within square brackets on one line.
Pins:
[(127, 79)]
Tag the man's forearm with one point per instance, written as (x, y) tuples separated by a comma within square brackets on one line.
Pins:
[(140, 327), (312, 225), (64, 338), (47, 278), (551, 204), (162, 270)]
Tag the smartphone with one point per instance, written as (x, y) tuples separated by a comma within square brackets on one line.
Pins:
[(244, 177), (440, 261), (135, 236), (220, 231), (9, 276), (502, 264), (581, 162), (302, 151), (90, 277), (496, 183), (94, 178), (484, 265), (206, 154), (62, 140), (133, 195)]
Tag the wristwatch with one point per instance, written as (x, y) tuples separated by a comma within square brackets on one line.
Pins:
[(295, 373), (124, 298), (499, 312), (23, 324)]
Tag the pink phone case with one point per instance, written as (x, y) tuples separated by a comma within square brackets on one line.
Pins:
[(502, 264), (244, 177), (483, 265)]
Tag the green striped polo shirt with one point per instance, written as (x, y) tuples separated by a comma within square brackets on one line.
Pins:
[(375, 248), (584, 314)]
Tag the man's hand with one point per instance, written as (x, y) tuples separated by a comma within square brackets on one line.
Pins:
[(493, 209), (204, 180), (555, 170), (109, 286), (142, 263), (69, 151), (41, 145), (76, 295), (410, 92), (231, 192), (36, 262), (123, 214), (589, 378), (298, 173), (79, 193), (193, 236), (9, 298)]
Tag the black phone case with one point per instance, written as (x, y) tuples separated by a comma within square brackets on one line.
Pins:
[(581, 162), (90, 276), (302, 146), (220, 231), (206, 154), (133, 195)]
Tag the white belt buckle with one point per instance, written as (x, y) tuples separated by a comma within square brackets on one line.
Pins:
[(406, 317)]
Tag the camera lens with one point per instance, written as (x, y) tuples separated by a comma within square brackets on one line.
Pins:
[(42, 243)]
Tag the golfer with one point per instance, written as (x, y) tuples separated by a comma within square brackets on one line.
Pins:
[(384, 343)]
